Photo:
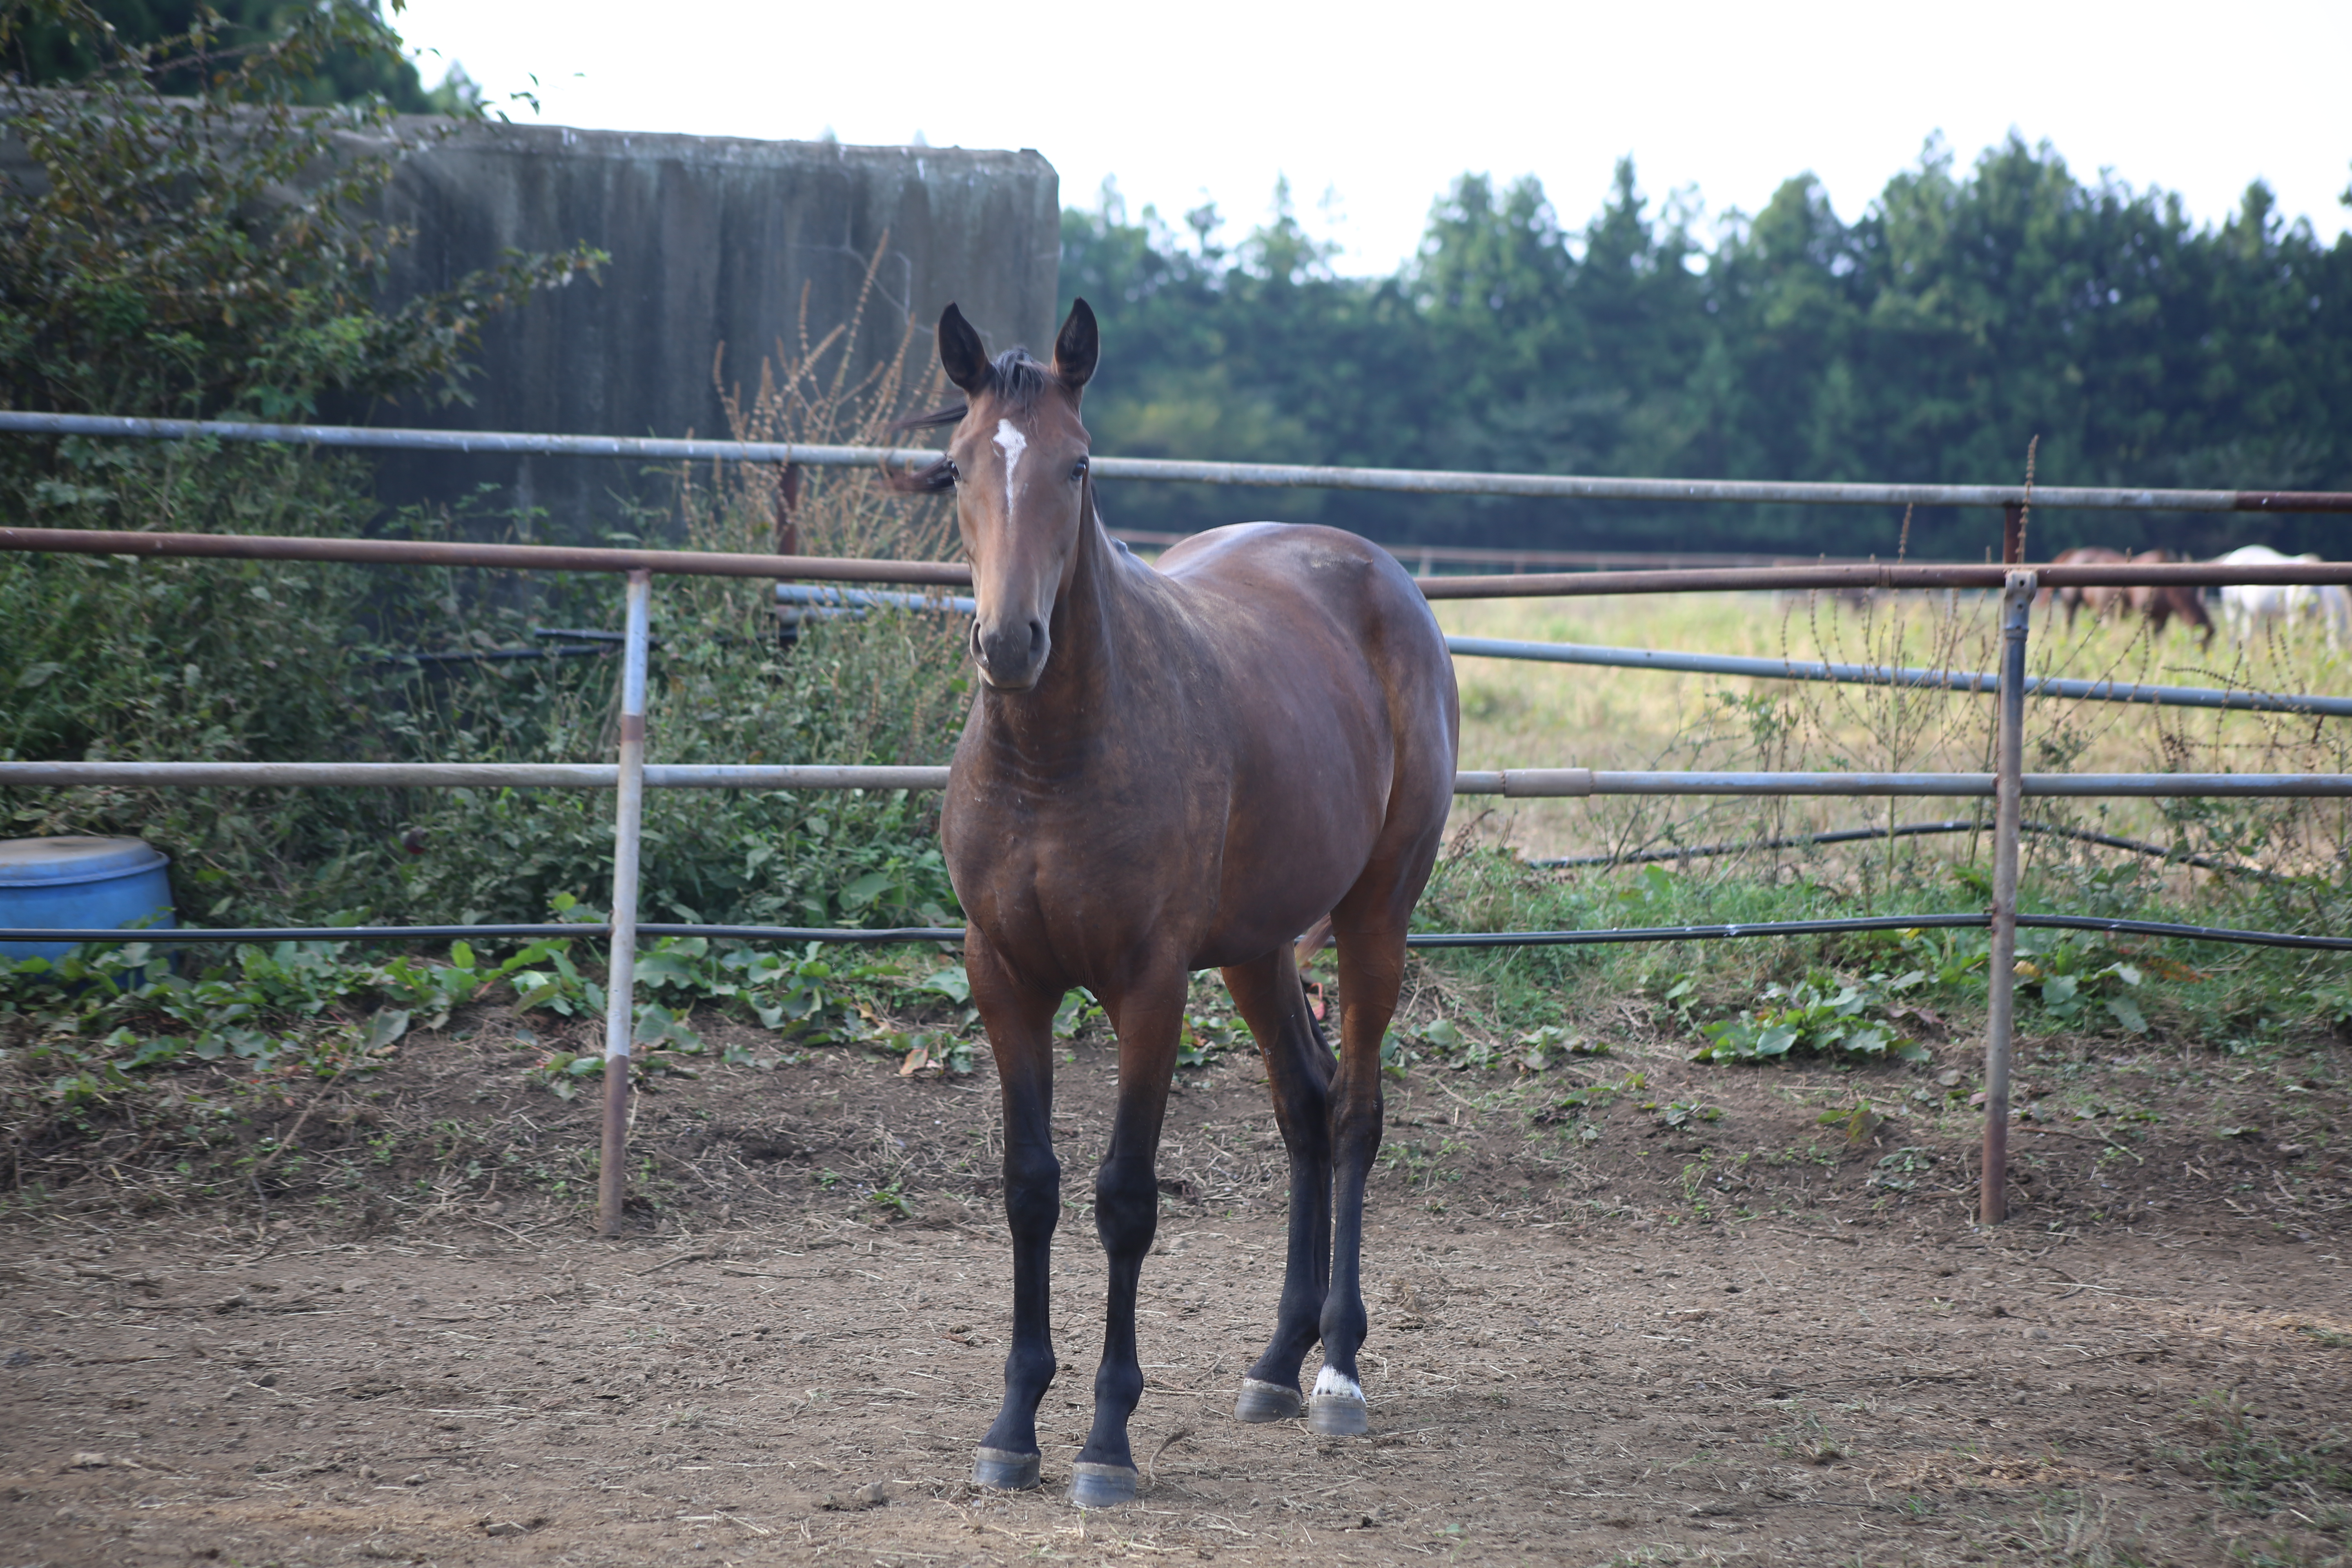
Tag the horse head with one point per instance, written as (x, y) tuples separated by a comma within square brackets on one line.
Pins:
[(1018, 463)]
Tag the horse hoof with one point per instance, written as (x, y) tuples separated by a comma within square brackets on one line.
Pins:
[(1262, 1401), (1336, 1416), (1003, 1471), (1100, 1486)]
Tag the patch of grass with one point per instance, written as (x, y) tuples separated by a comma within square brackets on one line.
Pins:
[(2080, 1531), (1522, 714), (2259, 1466), (1422, 1162), (200, 1082), (1809, 1439), (1874, 995)]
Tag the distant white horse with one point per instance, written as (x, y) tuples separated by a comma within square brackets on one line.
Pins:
[(2247, 608)]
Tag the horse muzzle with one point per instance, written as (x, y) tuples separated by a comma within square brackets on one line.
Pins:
[(1010, 655)]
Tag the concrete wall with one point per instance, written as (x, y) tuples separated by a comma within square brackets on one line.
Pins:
[(713, 241)]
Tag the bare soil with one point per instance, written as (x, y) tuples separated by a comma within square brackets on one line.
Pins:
[(1597, 1337)]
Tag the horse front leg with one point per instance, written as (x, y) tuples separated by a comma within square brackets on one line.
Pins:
[(1371, 971), (1147, 1016), (1019, 1018), (1298, 1074)]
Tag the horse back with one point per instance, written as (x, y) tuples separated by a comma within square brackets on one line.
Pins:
[(1326, 619), (1344, 718)]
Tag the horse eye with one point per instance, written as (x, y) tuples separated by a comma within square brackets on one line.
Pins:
[(1078, 469), (955, 475)]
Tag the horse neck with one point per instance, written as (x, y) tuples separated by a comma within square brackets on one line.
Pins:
[(1078, 693)]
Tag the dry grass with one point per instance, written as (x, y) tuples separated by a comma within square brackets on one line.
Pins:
[(1518, 714), (807, 392)]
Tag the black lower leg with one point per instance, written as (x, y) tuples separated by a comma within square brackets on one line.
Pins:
[(1298, 1071), (1307, 1270), (1032, 1204), (1127, 1216), (1344, 1323), (1356, 1139)]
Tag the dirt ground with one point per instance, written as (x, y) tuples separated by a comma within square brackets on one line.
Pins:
[(1598, 1337)]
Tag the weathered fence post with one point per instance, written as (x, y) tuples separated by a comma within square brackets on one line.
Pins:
[(620, 980), (2001, 973)]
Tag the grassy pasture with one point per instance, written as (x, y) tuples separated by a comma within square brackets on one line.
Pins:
[(1522, 714)]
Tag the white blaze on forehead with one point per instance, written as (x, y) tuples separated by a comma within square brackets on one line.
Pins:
[(1012, 443)]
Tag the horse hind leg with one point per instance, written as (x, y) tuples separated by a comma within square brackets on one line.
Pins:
[(1299, 1065), (1371, 974)]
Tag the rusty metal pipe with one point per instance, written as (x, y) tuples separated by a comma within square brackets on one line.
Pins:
[(955, 573), (471, 775), (1803, 579), (509, 557)]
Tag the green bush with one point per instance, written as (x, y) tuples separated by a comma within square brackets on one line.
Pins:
[(210, 255)]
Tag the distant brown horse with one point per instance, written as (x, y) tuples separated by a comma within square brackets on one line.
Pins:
[(2157, 605), (1165, 771), (2099, 600)]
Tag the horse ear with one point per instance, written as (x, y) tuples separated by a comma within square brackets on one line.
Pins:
[(961, 353), (1076, 347)]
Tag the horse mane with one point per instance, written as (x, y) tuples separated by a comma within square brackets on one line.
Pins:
[(1015, 378)]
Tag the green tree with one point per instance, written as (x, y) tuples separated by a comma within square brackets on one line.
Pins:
[(210, 252), (1967, 312), (193, 40)]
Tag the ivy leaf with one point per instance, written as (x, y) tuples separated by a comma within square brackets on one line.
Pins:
[(2126, 1011)]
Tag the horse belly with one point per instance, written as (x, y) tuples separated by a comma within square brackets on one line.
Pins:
[(1288, 862)]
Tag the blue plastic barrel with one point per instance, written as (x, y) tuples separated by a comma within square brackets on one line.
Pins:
[(64, 883)]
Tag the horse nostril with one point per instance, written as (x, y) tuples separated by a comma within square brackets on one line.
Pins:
[(1036, 638), (977, 651)]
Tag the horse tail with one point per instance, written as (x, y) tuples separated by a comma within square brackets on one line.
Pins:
[(1317, 938), (1314, 1024)]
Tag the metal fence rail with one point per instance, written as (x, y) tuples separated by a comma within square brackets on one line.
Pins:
[(2008, 784), (497, 557), (1532, 584), (1594, 937), (1517, 783), (1279, 476), (1658, 857), (1908, 676)]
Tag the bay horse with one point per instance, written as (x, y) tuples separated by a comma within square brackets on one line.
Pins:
[(1165, 770), (2099, 598), (2158, 604)]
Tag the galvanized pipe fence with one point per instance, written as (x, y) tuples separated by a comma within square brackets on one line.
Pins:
[(805, 598), (1275, 476), (630, 775)]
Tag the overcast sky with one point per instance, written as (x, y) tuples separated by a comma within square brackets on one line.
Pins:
[(1370, 110)]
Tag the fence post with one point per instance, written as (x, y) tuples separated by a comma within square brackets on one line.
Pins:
[(620, 980), (2009, 801)]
